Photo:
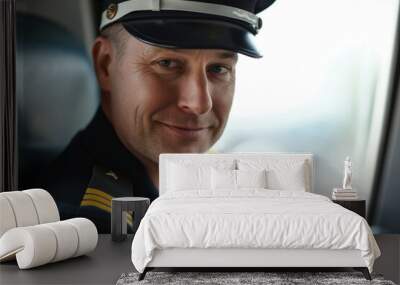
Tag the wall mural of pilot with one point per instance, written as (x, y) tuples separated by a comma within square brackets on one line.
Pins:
[(167, 81)]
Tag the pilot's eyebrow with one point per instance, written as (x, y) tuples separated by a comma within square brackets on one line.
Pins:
[(222, 54), (225, 54)]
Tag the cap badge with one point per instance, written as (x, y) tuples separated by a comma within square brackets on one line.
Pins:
[(111, 11)]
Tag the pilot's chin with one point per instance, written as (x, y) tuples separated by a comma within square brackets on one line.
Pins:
[(189, 149)]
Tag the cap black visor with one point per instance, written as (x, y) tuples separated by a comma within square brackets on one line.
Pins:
[(194, 34)]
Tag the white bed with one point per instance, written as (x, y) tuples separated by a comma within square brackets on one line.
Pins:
[(210, 226)]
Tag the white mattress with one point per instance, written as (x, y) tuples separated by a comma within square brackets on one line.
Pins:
[(250, 218)]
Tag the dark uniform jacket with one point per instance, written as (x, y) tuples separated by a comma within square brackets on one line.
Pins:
[(93, 168)]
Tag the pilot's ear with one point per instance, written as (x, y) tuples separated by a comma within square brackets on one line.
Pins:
[(102, 56)]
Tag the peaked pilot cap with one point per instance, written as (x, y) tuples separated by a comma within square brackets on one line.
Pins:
[(207, 24)]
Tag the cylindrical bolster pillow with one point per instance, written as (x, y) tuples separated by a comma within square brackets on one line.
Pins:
[(66, 238), (37, 245), (33, 246), (87, 235), (23, 208), (7, 218), (45, 205), (26, 208)]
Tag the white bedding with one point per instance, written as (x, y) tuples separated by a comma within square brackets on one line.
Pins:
[(251, 218)]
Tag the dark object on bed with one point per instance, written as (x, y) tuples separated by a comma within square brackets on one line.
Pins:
[(364, 270)]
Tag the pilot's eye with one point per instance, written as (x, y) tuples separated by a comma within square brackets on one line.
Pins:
[(219, 69), (168, 63)]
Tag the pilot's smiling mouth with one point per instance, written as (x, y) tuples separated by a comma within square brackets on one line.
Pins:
[(184, 130)]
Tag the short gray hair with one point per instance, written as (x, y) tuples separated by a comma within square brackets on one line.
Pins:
[(118, 36)]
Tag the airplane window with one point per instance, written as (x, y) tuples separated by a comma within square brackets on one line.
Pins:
[(321, 86)]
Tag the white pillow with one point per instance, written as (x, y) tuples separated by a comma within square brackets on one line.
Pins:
[(251, 178), (282, 174), (223, 179), (290, 178), (188, 177)]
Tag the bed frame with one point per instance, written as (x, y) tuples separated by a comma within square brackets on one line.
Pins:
[(250, 259), (256, 259)]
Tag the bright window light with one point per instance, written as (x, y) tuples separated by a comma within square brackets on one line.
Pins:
[(321, 86)]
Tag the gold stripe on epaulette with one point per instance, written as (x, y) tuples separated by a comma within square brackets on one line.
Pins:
[(98, 192), (98, 202), (97, 198), (129, 219)]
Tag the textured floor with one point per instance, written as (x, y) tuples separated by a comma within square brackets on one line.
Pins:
[(225, 278)]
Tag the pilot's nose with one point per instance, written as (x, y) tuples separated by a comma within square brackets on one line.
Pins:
[(195, 95)]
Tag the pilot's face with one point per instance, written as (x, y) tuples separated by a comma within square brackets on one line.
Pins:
[(163, 100)]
